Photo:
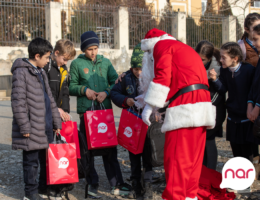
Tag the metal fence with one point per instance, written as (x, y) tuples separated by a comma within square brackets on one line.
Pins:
[(142, 20), (21, 21), (205, 27), (79, 18)]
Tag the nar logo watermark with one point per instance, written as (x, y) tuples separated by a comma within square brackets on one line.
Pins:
[(63, 163), (128, 132), (102, 128), (238, 174)]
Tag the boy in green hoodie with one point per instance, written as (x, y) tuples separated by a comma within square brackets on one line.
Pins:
[(92, 78)]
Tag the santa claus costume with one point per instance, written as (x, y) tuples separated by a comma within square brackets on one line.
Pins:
[(172, 66)]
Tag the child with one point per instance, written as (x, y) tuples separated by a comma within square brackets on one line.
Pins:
[(92, 78), (35, 114), (253, 109), (58, 77), (123, 94), (210, 58), (250, 53), (236, 79)]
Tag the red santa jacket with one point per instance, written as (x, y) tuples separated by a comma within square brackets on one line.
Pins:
[(177, 65)]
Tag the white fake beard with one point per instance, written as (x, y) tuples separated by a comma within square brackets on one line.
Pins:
[(145, 79)]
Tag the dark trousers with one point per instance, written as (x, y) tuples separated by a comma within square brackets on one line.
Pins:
[(111, 165), (136, 167), (242, 150), (211, 154), (31, 160)]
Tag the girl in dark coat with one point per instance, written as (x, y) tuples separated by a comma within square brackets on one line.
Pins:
[(236, 79), (210, 58)]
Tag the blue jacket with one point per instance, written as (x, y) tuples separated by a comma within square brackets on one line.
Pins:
[(125, 89)]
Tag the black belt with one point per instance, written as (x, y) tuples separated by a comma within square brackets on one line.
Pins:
[(183, 91)]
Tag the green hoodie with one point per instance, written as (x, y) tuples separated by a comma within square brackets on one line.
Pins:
[(99, 77)]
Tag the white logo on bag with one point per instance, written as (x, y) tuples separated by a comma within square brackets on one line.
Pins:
[(102, 128), (63, 163), (128, 132)]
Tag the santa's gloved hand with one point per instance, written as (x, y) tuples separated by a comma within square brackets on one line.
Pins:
[(146, 114)]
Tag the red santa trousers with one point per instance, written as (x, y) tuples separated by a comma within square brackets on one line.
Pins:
[(183, 157)]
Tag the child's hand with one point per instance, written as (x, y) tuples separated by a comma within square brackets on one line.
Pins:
[(91, 94), (254, 113), (57, 131), (249, 110), (130, 102), (213, 74), (101, 96), (62, 114), (26, 135), (120, 78)]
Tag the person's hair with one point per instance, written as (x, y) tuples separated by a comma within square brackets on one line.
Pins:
[(207, 49), (250, 19), (65, 48), (257, 29), (233, 50), (39, 46)]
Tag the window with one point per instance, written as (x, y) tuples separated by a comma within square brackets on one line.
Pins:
[(257, 4), (203, 6)]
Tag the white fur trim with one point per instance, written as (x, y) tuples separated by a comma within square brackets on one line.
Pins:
[(214, 65), (190, 115), (148, 44), (156, 94), (188, 198)]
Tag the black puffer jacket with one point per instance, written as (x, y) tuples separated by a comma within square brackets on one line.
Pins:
[(28, 106), (60, 94)]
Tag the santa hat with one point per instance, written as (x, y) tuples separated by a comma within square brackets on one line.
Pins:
[(152, 37)]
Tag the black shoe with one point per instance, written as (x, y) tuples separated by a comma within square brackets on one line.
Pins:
[(136, 191), (148, 191), (43, 193), (65, 195), (93, 190), (54, 195), (32, 197)]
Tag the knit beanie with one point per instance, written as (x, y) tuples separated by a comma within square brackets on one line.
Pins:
[(137, 57), (88, 39)]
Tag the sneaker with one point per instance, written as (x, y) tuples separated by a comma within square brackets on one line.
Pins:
[(121, 190), (32, 197), (43, 193), (136, 190), (93, 190), (148, 191)]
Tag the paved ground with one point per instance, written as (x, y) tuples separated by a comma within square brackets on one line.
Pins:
[(11, 176)]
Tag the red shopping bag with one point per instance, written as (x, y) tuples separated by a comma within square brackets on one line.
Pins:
[(100, 129), (61, 164), (70, 134), (132, 131)]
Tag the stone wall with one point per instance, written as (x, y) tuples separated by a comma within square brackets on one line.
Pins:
[(119, 58)]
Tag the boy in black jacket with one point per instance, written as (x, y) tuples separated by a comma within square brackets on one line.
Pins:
[(59, 79), (123, 95)]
